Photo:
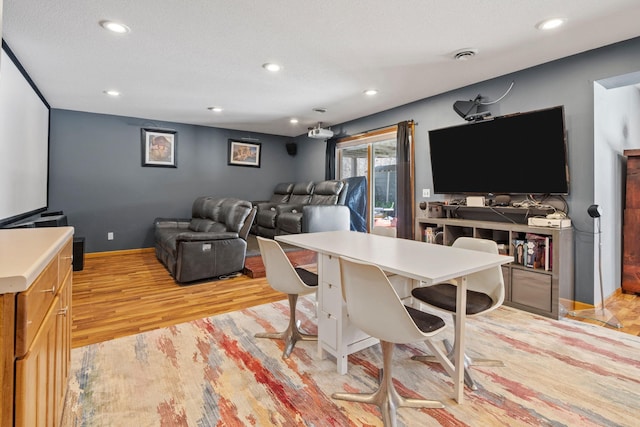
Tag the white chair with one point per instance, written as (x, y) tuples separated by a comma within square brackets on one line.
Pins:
[(374, 307), (485, 292), (293, 281), (402, 285)]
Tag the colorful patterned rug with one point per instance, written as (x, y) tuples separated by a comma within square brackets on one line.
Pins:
[(213, 372)]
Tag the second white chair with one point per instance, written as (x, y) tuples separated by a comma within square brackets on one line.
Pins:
[(375, 308), (293, 281), (485, 292)]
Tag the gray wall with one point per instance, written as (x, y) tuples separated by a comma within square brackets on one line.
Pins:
[(617, 128), (97, 179), (567, 82)]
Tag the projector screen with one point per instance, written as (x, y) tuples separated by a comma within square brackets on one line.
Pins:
[(24, 142)]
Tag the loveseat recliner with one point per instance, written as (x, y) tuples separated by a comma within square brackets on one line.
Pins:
[(287, 215), (328, 196), (267, 214), (210, 244)]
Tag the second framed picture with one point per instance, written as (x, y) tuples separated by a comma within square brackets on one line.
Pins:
[(244, 153)]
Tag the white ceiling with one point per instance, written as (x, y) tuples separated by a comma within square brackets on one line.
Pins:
[(183, 56)]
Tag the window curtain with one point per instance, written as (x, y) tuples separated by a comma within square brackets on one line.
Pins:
[(404, 196), (330, 159)]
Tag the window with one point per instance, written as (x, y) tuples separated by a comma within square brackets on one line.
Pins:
[(373, 155)]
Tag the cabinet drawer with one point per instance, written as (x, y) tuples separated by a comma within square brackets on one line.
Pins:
[(33, 304), (35, 376), (331, 298), (330, 269), (65, 260), (329, 326), (531, 289)]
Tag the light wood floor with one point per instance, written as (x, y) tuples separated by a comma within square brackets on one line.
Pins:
[(125, 293)]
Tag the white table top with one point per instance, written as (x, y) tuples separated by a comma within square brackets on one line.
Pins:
[(430, 263), (25, 252)]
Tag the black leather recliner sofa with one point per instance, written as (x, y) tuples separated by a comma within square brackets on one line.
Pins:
[(285, 213), (210, 244)]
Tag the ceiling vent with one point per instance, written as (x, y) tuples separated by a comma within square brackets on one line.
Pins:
[(465, 54)]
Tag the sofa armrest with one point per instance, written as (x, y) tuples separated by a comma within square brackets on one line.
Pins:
[(198, 236), (266, 206), (172, 223), (316, 218), (289, 208)]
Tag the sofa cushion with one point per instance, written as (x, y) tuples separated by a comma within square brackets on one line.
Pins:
[(267, 218), (281, 193), (212, 214), (200, 224), (301, 194), (206, 225), (232, 213), (290, 223), (326, 192)]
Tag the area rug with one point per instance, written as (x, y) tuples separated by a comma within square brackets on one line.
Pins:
[(213, 372)]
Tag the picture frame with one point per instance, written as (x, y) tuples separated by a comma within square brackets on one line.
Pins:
[(242, 153), (159, 148)]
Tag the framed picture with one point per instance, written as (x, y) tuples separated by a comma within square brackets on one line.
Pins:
[(159, 148), (244, 153)]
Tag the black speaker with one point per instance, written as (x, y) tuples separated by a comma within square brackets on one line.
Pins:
[(292, 148), (594, 211), (78, 253)]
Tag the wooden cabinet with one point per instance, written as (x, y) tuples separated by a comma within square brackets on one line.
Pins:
[(42, 369), (36, 386), (546, 290), (631, 227)]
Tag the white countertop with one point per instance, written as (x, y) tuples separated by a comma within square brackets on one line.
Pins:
[(25, 252)]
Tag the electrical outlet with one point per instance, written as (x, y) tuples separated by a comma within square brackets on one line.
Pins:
[(426, 192), (110, 235)]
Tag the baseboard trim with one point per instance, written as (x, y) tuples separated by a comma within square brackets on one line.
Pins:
[(121, 252)]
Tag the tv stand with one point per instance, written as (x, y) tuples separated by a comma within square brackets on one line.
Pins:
[(548, 291), (494, 213)]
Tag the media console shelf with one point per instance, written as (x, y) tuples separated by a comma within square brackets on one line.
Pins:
[(494, 213), (547, 291)]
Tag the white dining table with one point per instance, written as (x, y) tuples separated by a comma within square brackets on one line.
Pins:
[(427, 264)]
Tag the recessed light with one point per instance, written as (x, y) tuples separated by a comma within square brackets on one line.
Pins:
[(215, 109), (293, 121), (371, 92), (550, 24), (111, 92), (115, 27), (270, 66)]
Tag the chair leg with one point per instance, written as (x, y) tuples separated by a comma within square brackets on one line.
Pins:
[(386, 397), (468, 361), (292, 334)]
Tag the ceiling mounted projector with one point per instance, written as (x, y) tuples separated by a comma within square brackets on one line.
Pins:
[(320, 133)]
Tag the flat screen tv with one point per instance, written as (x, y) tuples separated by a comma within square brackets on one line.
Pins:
[(522, 153)]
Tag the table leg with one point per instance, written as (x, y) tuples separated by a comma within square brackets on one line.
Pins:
[(461, 304)]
